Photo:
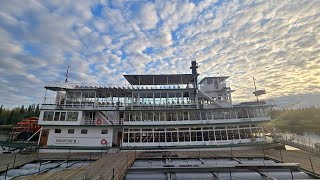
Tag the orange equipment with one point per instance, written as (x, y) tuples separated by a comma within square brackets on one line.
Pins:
[(25, 129)]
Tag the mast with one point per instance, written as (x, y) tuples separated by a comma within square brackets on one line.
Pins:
[(255, 88), (67, 74)]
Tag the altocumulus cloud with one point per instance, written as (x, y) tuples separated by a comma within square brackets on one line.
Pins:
[(275, 41)]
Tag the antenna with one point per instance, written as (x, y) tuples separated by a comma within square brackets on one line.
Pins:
[(67, 74)]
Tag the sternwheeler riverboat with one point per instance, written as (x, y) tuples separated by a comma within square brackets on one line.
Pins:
[(152, 112)]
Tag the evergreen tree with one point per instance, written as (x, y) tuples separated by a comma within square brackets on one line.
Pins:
[(1, 109), (37, 110), (22, 110)]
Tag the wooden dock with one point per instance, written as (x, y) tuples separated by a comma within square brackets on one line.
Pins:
[(110, 166), (114, 165)]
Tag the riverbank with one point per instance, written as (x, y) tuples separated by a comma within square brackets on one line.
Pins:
[(300, 121)]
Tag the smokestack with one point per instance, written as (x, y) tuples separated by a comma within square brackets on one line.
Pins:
[(194, 67)]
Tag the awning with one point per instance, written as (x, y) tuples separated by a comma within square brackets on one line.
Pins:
[(165, 79)]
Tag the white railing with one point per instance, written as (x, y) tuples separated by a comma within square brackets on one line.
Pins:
[(49, 100), (100, 105), (97, 122), (301, 142), (93, 122), (112, 86)]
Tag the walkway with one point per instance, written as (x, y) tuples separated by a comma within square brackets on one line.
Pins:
[(114, 165)]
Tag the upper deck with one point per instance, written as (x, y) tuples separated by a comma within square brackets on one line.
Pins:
[(158, 91)]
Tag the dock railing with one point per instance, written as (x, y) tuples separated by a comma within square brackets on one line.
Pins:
[(301, 142)]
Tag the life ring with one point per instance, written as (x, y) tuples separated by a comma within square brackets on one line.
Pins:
[(104, 142), (98, 121)]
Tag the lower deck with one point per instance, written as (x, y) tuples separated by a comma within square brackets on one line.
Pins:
[(103, 137)]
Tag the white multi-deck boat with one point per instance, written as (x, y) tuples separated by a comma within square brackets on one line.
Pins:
[(154, 111)]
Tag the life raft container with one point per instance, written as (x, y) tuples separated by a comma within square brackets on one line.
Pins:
[(104, 141), (98, 121)]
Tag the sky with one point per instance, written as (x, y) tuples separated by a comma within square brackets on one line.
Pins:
[(276, 41)]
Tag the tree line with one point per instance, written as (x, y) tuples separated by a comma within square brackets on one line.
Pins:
[(302, 114), (12, 116)]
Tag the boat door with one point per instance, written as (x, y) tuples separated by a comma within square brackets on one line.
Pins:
[(44, 137), (119, 139)]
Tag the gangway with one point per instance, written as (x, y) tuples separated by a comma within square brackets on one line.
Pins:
[(297, 141)]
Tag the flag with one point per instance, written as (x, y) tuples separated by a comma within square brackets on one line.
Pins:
[(259, 92)]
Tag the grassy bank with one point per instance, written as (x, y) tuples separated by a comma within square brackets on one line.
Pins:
[(5, 126), (298, 121)]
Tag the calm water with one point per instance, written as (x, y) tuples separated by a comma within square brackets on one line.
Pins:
[(311, 135)]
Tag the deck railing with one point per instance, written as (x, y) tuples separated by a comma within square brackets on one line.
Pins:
[(108, 106), (297, 141), (113, 86)]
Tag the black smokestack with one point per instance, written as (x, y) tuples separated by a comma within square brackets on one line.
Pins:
[(194, 67)]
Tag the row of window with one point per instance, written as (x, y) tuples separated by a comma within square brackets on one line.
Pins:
[(60, 116), (196, 115), (191, 135), (82, 131), (166, 97)]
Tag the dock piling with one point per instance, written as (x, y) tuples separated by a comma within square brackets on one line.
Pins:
[(39, 165), (14, 160), (311, 164), (281, 156), (5, 175)]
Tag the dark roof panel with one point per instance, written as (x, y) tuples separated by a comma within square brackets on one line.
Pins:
[(163, 79)]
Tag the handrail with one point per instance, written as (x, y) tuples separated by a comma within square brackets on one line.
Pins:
[(113, 86)]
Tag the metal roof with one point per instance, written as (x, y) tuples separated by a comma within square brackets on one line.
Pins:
[(163, 79), (216, 77), (215, 168)]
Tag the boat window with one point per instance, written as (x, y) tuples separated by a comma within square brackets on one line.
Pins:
[(210, 81), (57, 131), (48, 115), (72, 116), (70, 131), (125, 137), (243, 126), (104, 131), (63, 116), (56, 116), (84, 131), (171, 129)]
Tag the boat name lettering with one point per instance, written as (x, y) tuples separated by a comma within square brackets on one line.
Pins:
[(67, 141)]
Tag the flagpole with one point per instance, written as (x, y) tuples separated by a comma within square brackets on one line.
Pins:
[(67, 74)]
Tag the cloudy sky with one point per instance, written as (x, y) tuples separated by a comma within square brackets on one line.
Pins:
[(277, 41)]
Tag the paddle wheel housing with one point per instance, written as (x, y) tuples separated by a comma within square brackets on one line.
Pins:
[(25, 129)]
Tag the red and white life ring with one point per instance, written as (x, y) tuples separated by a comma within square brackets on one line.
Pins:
[(104, 141), (98, 121)]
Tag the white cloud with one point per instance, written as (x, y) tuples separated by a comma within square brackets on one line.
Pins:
[(277, 42)]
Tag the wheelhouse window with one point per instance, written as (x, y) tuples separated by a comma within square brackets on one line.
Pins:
[(72, 116), (48, 115), (56, 116), (57, 131), (70, 131), (63, 116)]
